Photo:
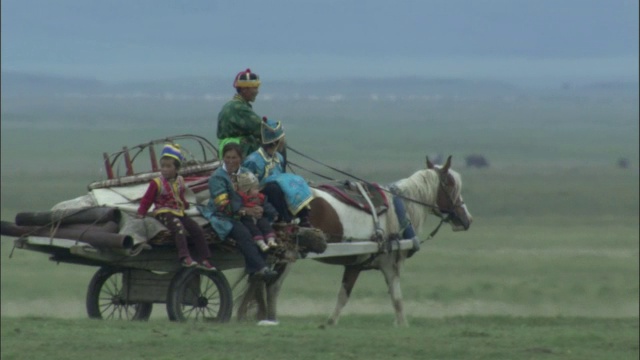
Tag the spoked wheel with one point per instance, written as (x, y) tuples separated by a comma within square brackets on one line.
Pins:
[(106, 297), (196, 294)]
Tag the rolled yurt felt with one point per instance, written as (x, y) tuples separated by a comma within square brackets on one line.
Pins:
[(89, 215), (96, 237)]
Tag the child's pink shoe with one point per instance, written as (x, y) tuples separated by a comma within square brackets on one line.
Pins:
[(206, 265), (188, 262)]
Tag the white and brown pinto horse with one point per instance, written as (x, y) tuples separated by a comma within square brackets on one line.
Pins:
[(434, 190)]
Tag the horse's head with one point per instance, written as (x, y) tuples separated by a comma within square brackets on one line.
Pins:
[(449, 201)]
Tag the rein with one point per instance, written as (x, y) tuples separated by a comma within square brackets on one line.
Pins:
[(444, 217), (437, 213)]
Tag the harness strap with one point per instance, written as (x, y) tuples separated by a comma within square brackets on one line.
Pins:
[(406, 228), (408, 231), (376, 221)]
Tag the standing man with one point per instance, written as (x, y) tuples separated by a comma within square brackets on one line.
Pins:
[(237, 122)]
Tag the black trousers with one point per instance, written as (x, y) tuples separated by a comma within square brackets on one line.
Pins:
[(254, 260), (275, 196), (260, 229)]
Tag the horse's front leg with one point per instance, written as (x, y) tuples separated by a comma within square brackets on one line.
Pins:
[(390, 267), (249, 298), (349, 278), (273, 290)]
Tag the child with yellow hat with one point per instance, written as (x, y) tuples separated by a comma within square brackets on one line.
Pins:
[(166, 193)]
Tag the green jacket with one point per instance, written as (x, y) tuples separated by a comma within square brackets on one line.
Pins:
[(237, 122)]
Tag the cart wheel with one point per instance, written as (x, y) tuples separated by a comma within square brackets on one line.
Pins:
[(196, 294), (105, 299)]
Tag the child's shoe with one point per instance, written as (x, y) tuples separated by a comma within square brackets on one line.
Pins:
[(262, 245), (188, 262), (271, 243), (206, 265)]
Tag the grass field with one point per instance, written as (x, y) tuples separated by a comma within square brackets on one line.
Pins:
[(359, 337), (549, 268)]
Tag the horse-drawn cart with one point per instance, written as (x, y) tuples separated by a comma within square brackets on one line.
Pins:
[(137, 259)]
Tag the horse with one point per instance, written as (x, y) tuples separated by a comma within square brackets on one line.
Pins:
[(435, 190)]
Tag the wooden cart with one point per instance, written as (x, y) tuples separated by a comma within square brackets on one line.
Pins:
[(131, 277)]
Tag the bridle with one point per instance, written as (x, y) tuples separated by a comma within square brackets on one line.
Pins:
[(448, 213), (445, 215)]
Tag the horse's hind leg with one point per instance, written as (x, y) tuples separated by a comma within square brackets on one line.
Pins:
[(390, 267), (349, 278), (261, 300), (246, 299)]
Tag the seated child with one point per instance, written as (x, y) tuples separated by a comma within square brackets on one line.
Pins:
[(167, 194), (261, 228)]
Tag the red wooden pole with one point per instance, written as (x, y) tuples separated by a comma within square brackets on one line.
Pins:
[(152, 154), (107, 165), (127, 161)]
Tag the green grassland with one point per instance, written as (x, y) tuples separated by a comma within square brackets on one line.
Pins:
[(549, 267), (359, 337)]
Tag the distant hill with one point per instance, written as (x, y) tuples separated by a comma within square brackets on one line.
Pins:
[(24, 84), (612, 86), (34, 98)]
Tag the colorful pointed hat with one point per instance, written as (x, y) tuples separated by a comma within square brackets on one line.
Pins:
[(246, 181), (172, 151), (246, 79), (271, 131)]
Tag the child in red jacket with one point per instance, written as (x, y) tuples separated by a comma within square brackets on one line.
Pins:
[(167, 194), (260, 229)]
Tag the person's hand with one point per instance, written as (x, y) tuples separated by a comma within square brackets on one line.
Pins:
[(139, 216), (255, 211)]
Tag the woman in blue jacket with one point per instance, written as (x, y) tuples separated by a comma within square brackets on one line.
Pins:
[(224, 210)]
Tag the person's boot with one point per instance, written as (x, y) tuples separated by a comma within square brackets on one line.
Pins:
[(265, 274), (304, 218), (304, 222)]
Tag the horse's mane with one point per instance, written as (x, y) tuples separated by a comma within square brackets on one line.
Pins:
[(422, 186)]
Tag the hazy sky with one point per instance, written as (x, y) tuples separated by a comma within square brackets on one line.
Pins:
[(310, 39)]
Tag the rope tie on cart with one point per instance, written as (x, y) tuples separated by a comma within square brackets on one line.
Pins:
[(53, 227)]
